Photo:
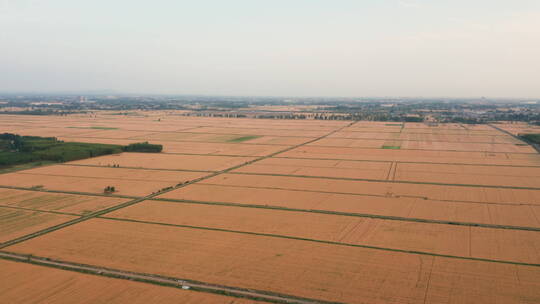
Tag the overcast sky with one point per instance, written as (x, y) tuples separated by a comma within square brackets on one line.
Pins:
[(410, 48)]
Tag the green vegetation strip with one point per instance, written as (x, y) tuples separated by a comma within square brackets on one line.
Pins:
[(16, 150), (19, 150), (534, 138), (242, 139), (352, 214), (325, 242), (391, 147), (198, 286), (386, 181)]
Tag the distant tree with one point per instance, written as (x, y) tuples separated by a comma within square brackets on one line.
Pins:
[(143, 147), (109, 189)]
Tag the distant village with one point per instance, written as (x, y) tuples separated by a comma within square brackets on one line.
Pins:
[(468, 111)]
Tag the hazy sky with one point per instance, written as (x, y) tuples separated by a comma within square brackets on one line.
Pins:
[(273, 47)]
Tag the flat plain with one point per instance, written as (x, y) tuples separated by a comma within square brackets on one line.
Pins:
[(49, 285), (306, 210)]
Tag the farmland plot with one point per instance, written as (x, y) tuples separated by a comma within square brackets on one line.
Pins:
[(15, 223), (402, 235), (45, 201), (167, 161), (329, 168), (402, 207), (49, 285), (319, 271)]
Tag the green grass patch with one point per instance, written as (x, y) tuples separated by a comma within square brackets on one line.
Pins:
[(391, 147), (393, 124), (534, 138), (243, 138)]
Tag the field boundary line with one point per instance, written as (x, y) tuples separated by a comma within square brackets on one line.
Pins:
[(69, 192), (352, 214), (187, 129), (409, 162), (217, 155), (136, 168), (431, 141), (319, 167), (366, 194), (155, 279), (235, 134), (385, 181), (428, 133), (432, 150), (89, 216), (172, 140), (321, 241), (100, 177), (40, 211), (140, 199), (533, 145)]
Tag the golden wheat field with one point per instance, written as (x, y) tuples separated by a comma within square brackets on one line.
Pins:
[(310, 211), (50, 285)]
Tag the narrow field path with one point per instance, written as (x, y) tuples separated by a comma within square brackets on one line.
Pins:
[(162, 280), (535, 146)]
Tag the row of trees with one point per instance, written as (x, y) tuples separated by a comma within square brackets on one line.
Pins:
[(16, 149), (143, 147), (533, 138)]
